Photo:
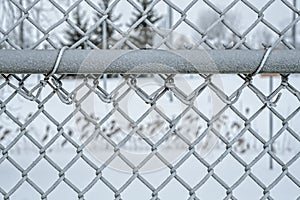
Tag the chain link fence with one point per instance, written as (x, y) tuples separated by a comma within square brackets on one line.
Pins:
[(165, 24), (158, 99)]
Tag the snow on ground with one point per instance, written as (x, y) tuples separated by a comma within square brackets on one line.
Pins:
[(192, 171)]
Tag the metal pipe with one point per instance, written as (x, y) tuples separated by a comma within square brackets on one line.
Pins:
[(148, 61)]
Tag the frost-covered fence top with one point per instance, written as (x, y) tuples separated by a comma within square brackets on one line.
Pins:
[(140, 99)]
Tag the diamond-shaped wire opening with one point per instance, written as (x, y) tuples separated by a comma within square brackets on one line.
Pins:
[(87, 175), (262, 171), (10, 175), (293, 169), (29, 81), (174, 149), (104, 138), (100, 152), (192, 171), (152, 128), (219, 32), (262, 82), (133, 106), (241, 17), (171, 106), (6, 90), (208, 104), (23, 109), (173, 27), (274, 19), (94, 111), (250, 102), (25, 191), (62, 190), (9, 130), (136, 189), (82, 20), (36, 174), (147, 22), (247, 147), (285, 146), (231, 164), (99, 189), (24, 147), (246, 187), (194, 15), (42, 129), (190, 127), (54, 152), (28, 26), (287, 109), (293, 79), (114, 176), (282, 185), (206, 192), (225, 82), (210, 147), (44, 21), (172, 190), (149, 83), (261, 126), (154, 175), (294, 128), (79, 128), (229, 124), (61, 110), (116, 129)]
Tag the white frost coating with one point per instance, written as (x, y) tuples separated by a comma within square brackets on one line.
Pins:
[(148, 61)]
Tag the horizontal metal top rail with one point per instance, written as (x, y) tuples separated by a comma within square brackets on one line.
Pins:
[(148, 61)]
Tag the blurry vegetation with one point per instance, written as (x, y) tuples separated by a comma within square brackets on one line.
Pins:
[(24, 35), (144, 33), (73, 35), (97, 34)]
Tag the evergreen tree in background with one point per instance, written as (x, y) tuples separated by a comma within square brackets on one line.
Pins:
[(219, 35), (144, 35), (97, 35), (24, 35), (72, 35)]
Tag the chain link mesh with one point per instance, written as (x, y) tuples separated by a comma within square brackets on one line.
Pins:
[(237, 24), (129, 122)]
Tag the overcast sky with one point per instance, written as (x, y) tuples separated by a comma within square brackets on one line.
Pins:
[(278, 13)]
